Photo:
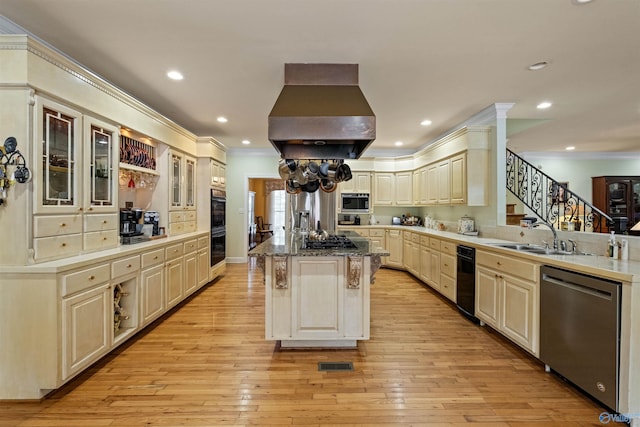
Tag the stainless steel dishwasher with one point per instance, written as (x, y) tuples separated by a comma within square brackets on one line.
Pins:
[(580, 331)]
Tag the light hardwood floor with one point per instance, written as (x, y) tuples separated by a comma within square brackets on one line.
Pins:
[(207, 363)]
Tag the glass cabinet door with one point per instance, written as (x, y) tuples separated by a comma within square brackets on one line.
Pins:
[(190, 196), (101, 166), (176, 174), (618, 199), (58, 183)]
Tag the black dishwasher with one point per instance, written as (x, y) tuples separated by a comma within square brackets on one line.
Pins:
[(466, 282)]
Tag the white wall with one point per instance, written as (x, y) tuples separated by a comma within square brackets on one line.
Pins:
[(241, 167)]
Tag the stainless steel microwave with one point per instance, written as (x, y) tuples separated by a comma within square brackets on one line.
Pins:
[(354, 202)]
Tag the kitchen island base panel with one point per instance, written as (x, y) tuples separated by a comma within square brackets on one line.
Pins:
[(323, 344)]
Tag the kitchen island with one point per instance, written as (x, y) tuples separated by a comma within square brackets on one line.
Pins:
[(317, 297)]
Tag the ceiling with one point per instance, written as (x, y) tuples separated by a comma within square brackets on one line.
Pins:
[(442, 60)]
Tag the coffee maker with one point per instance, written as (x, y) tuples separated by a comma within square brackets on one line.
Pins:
[(130, 228), (153, 218)]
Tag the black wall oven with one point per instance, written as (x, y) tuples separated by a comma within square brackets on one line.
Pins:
[(218, 226)]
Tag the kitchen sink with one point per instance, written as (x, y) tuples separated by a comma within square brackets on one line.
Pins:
[(535, 249)]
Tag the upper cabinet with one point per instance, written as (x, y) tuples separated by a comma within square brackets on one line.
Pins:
[(182, 181), (218, 174), (359, 183), (618, 197), (384, 188), (75, 207), (59, 136)]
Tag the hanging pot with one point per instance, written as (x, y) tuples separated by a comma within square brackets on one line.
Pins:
[(311, 186), (292, 188), (328, 186)]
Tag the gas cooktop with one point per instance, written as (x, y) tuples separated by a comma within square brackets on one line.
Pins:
[(333, 241)]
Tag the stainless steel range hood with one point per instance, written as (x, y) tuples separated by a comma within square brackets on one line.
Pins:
[(321, 113)]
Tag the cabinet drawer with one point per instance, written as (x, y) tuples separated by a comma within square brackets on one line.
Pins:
[(448, 247), (448, 264), (58, 225), (189, 227), (190, 246), (415, 237), (176, 216), (424, 240), (434, 244), (176, 228), (376, 232), (190, 216), (84, 279), (515, 267), (203, 242), (125, 266), (101, 240), (406, 235), (100, 222), (174, 251), (448, 287), (152, 258), (57, 247)]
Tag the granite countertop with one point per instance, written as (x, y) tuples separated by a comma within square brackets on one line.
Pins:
[(290, 244)]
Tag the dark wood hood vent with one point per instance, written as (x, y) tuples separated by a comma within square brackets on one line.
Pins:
[(321, 113)]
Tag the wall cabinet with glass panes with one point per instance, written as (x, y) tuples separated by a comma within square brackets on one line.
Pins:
[(75, 179), (182, 186)]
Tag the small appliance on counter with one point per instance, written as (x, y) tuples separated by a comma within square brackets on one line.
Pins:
[(396, 220), (356, 220), (130, 226), (153, 218), (466, 226)]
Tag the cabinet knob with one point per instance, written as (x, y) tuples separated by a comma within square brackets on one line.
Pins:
[(92, 277), (129, 266), (80, 209), (104, 239), (63, 245), (105, 221), (90, 209), (499, 263), (155, 257), (63, 225)]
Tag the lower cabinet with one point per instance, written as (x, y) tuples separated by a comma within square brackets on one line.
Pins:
[(203, 267), (86, 328), (425, 259), (174, 286), (507, 297), (395, 247), (448, 270), (152, 303), (190, 273)]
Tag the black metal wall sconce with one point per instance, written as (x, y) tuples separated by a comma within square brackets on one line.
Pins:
[(10, 156)]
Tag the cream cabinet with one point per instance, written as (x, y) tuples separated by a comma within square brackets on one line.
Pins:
[(203, 261), (425, 259), (87, 307), (152, 296), (434, 246), (377, 236), (360, 182), (218, 174), (446, 181), (75, 207), (403, 188), (384, 189), (448, 269), (190, 266), (395, 247), (182, 190), (86, 328), (174, 274), (411, 252), (507, 297)]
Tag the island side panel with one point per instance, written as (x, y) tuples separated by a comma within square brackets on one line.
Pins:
[(317, 296), (277, 298), (357, 303)]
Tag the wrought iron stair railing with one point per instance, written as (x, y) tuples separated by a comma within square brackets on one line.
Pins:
[(551, 200)]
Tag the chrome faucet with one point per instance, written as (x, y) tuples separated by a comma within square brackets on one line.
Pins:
[(553, 230)]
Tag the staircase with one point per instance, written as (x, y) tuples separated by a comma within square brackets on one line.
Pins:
[(552, 201)]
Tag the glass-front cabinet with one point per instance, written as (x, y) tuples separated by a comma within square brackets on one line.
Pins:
[(190, 187), (58, 148), (176, 180), (619, 198), (101, 166)]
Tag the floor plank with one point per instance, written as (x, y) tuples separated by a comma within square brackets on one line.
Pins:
[(207, 363)]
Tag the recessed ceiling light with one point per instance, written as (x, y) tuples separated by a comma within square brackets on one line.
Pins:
[(426, 122), (398, 143), (246, 142), (222, 119), (581, 1), (175, 75), (538, 66), (570, 148), (544, 105)]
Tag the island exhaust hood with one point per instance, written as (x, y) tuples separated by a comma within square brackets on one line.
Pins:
[(321, 113)]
